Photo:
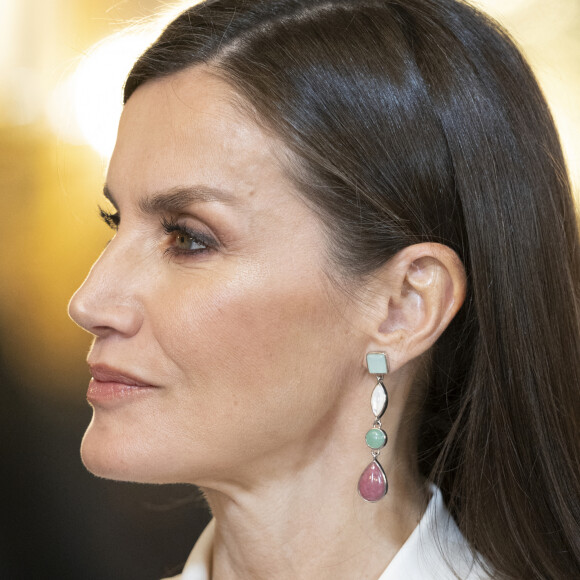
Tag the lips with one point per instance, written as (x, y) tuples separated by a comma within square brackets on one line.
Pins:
[(110, 385), (106, 374)]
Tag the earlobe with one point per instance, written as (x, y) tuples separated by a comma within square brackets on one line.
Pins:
[(427, 288)]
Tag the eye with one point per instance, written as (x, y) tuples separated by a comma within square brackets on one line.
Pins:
[(184, 240), (111, 219)]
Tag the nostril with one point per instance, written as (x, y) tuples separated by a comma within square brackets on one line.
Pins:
[(101, 331)]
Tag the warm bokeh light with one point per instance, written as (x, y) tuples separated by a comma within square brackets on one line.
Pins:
[(85, 107), (97, 88)]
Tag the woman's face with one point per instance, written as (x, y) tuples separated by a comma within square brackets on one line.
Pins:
[(211, 296)]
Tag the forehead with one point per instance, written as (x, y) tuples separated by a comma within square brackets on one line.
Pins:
[(187, 128)]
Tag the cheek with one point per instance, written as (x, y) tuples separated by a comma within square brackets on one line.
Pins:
[(242, 326), (250, 349)]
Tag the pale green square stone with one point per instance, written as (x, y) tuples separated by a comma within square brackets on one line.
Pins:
[(377, 363)]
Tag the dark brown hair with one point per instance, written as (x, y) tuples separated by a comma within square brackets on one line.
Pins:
[(414, 121)]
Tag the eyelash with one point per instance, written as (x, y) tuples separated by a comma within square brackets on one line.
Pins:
[(170, 227), (111, 219)]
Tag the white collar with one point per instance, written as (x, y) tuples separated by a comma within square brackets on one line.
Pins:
[(435, 542), (433, 547)]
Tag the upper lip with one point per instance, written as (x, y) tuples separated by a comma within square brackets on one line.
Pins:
[(106, 374)]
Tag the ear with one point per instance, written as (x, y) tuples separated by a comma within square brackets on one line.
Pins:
[(419, 292)]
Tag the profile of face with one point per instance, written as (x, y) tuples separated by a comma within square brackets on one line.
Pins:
[(212, 299)]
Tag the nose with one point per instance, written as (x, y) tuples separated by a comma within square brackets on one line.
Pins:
[(107, 302)]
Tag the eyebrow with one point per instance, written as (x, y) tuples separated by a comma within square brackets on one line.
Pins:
[(178, 198)]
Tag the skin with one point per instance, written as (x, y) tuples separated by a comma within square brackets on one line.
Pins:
[(262, 394)]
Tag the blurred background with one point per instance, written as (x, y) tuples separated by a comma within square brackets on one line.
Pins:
[(62, 65)]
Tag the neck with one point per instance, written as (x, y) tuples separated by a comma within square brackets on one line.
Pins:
[(306, 519)]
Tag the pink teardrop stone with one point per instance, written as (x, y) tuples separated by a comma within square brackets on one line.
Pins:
[(372, 484)]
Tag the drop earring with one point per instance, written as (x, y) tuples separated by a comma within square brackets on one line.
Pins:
[(373, 485)]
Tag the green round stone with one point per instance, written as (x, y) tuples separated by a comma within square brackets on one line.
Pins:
[(376, 438)]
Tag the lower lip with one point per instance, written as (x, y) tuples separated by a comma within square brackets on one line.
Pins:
[(108, 392)]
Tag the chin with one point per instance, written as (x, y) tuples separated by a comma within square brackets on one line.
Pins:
[(104, 460), (117, 456), (119, 452)]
